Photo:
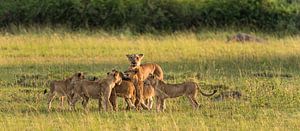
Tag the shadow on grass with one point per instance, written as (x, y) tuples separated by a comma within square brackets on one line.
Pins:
[(39, 75)]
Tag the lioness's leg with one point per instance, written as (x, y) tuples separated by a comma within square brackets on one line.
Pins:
[(74, 99), (158, 104), (146, 102), (100, 104), (62, 102), (107, 104), (133, 100), (139, 96), (163, 104), (193, 101), (142, 103), (129, 104), (85, 101), (50, 99), (113, 99), (150, 104)]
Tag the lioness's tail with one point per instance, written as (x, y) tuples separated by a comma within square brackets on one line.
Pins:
[(208, 94), (204, 94), (45, 91)]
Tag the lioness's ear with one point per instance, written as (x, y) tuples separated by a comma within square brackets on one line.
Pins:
[(141, 56), (107, 73)]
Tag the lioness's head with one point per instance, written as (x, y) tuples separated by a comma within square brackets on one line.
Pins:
[(116, 76), (135, 59)]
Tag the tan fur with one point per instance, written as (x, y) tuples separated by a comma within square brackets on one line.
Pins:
[(164, 91), (62, 89), (148, 94), (143, 71), (100, 90), (125, 90)]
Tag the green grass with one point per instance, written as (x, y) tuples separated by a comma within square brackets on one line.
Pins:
[(266, 74)]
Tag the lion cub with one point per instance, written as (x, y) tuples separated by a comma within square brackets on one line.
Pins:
[(100, 90), (62, 88), (127, 91), (164, 91), (148, 93)]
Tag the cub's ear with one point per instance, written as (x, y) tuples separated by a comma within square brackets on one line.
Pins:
[(152, 76), (122, 74), (79, 74), (128, 55), (95, 78), (108, 73), (116, 74), (135, 71), (141, 56)]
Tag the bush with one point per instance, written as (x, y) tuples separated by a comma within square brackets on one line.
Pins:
[(150, 15)]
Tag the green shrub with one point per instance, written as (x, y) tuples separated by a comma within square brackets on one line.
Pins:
[(150, 15)]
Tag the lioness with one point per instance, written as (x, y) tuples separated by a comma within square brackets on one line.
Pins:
[(100, 90), (143, 71), (242, 37), (164, 91), (62, 88)]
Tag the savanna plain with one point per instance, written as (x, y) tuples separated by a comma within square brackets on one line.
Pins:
[(267, 75)]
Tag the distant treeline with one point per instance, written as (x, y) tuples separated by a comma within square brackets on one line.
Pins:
[(154, 15)]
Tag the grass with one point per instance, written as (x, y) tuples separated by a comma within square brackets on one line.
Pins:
[(266, 74)]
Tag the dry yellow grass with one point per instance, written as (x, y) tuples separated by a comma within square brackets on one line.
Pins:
[(270, 102)]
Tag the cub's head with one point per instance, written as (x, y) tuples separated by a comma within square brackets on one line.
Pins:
[(77, 77), (131, 74), (135, 59), (116, 76), (152, 80)]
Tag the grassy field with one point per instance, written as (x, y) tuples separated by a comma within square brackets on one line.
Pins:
[(268, 75)]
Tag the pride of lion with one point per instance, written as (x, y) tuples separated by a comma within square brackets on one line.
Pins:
[(138, 86)]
